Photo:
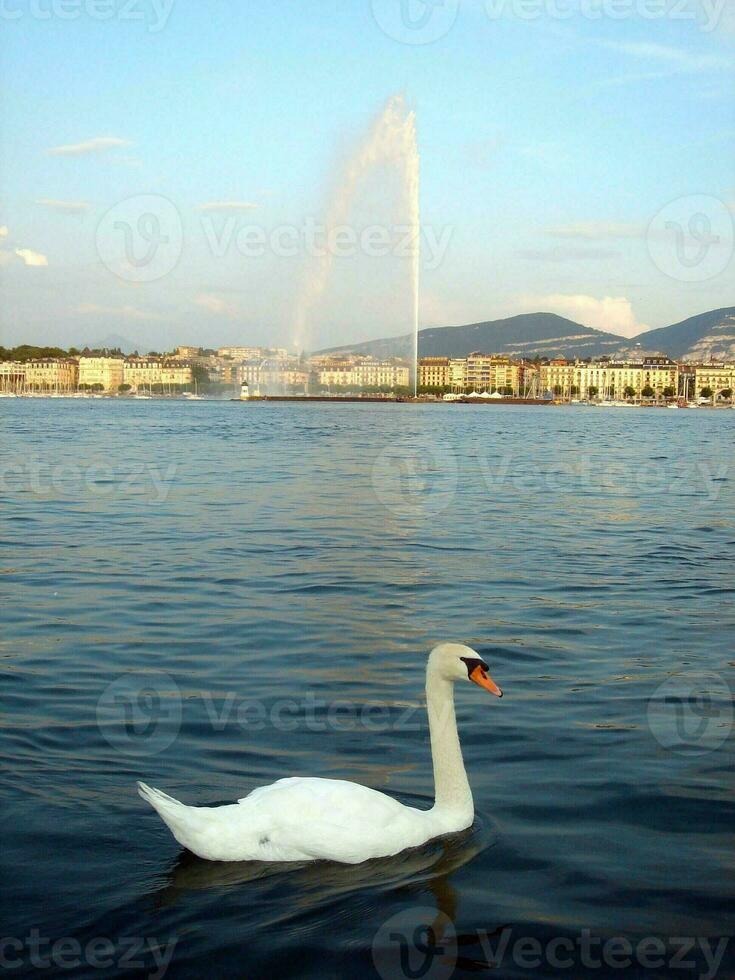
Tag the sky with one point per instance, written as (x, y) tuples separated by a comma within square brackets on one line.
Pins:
[(163, 162)]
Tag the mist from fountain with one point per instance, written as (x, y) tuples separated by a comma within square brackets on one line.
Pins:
[(391, 140)]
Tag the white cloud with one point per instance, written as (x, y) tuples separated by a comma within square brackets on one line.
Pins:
[(30, 257), (613, 314), (64, 207), (3, 231), (98, 144), (634, 78), (677, 59), (569, 253), (215, 304), (126, 312), (227, 206), (597, 230)]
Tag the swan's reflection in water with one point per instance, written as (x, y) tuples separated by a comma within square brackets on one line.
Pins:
[(323, 887)]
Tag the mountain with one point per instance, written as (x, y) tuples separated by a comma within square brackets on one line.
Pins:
[(115, 341), (545, 334), (709, 336)]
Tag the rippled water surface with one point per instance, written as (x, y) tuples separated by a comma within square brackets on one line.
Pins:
[(210, 596)]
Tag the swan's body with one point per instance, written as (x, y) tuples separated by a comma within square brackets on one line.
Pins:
[(301, 818)]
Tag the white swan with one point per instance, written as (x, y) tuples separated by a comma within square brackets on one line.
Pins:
[(302, 818)]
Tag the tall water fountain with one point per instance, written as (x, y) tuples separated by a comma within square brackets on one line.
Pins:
[(391, 140)]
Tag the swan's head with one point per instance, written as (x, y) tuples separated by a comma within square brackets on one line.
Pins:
[(456, 662)]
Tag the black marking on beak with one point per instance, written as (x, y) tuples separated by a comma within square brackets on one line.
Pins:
[(472, 663)]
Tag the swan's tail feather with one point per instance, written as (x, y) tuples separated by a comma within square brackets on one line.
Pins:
[(180, 819), (155, 796)]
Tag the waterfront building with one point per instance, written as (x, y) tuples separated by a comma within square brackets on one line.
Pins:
[(335, 371), (107, 372), (559, 377), (609, 379), (443, 372), (613, 378), (12, 377), (147, 372), (715, 377), (55, 374), (382, 374), (458, 373), (434, 372), (271, 376), (365, 374), (492, 372)]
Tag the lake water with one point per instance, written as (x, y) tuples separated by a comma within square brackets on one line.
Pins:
[(213, 595)]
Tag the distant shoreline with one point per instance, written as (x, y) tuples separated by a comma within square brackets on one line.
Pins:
[(364, 399)]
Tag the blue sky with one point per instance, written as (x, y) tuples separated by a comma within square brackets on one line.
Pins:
[(548, 146)]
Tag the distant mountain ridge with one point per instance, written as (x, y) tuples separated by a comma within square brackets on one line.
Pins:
[(708, 336), (115, 341), (528, 334)]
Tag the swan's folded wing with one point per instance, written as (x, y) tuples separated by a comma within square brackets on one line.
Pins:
[(334, 819)]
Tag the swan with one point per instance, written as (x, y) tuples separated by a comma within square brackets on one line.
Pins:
[(308, 819)]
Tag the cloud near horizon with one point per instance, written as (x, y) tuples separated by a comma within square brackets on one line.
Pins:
[(64, 207), (613, 314), (98, 144), (595, 231), (31, 258), (223, 206), (677, 59), (124, 312), (562, 253), (215, 304)]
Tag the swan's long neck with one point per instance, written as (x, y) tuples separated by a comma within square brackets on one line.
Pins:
[(451, 788)]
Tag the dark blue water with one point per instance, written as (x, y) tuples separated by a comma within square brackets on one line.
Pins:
[(210, 596)]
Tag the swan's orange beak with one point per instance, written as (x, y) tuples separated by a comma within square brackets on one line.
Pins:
[(483, 679)]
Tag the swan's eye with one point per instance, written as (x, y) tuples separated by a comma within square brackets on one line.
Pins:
[(472, 663)]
